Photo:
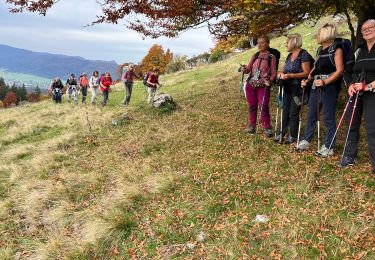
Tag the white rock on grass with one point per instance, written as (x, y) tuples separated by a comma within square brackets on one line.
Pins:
[(201, 237), (261, 219), (190, 246)]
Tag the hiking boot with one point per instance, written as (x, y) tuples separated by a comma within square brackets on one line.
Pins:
[(324, 152), (290, 140), (346, 161), (250, 130), (268, 132), (303, 146), (277, 139)]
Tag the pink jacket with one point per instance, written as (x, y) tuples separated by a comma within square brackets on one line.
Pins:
[(261, 61)]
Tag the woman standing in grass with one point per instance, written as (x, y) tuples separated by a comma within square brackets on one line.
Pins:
[(365, 62), (105, 84), (326, 76), (94, 86), (152, 84), (84, 84), (262, 69), (128, 79), (297, 67)]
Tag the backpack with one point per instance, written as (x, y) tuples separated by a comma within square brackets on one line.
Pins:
[(347, 48), (145, 79)]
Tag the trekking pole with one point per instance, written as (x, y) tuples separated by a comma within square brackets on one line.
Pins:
[(361, 78), (281, 114), (318, 92), (300, 117), (277, 110), (337, 129), (241, 89)]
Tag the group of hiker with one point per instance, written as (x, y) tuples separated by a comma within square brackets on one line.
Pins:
[(74, 87), (316, 83), (102, 83)]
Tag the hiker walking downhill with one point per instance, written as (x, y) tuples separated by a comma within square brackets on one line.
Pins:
[(262, 69), (105, 84), (56, 88), (84, 84), (152, 84), (326, 77), (365, 61), (94, 86), (128, 80), (297, 66), (71, 83)]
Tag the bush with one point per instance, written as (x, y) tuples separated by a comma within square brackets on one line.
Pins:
[(178, 63), (216, 55)]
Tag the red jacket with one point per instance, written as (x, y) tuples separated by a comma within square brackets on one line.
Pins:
[(105, 83)]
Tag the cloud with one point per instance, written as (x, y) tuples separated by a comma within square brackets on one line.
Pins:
[(63, 31)]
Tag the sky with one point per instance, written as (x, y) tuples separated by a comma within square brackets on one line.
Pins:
[(63, 31)]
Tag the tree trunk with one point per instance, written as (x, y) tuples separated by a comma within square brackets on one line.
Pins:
[(353, 33)]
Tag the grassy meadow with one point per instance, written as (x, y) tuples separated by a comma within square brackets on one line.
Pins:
[(181, 185)]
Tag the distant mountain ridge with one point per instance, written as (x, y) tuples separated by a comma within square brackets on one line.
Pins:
[(49, 65)]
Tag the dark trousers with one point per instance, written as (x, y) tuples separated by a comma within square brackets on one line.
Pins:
[(290, 115), (57, 98), (128, 90), (84, 93), (328, 100), (105, 96), (366, 105)]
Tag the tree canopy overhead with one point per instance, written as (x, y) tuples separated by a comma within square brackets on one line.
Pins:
[(155, 18)]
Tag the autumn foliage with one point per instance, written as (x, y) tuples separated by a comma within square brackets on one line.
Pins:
[(10, 99), (156, 58), (231, 17)]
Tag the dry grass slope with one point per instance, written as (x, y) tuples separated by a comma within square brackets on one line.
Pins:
[(150, 185)]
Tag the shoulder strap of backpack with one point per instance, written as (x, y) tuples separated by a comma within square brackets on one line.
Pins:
[(331, 52), (270, 60)]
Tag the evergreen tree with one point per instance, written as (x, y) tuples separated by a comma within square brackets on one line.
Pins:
[(3, 91), (37, 90), (2, 82), (22, 93)]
